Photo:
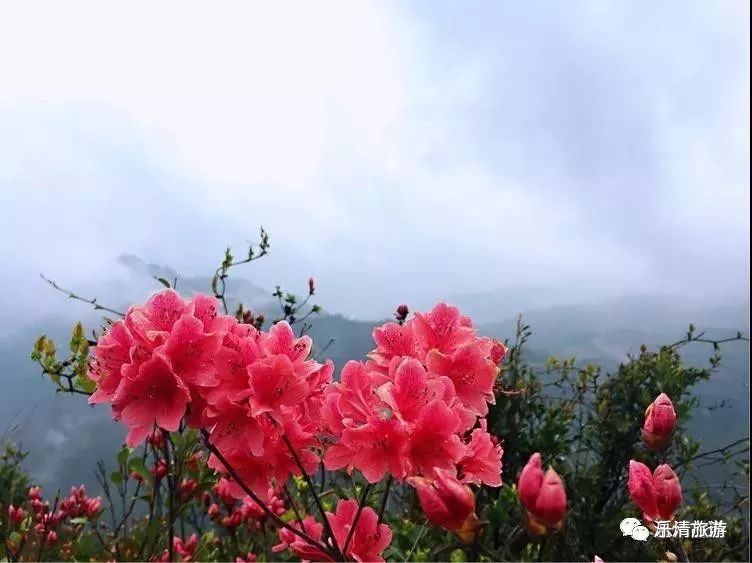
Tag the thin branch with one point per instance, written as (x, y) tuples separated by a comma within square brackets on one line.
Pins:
[(361, 504), (316, 499), (231, 471), (384, 498), (93, 302)]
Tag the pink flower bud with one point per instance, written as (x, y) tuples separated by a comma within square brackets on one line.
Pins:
[(447, 503), (660, 420), (498, 351), (156, 439), (16, 515), (51, 536), (159, 470), (187, 486), (311, 286), (657, 495), (92, 506), (668, 493), (543, 496), (35, 493), (213, 511)]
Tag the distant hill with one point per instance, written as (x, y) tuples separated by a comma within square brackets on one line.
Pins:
[(66, 436)]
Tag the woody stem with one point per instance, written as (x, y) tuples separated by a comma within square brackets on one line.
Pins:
[(361, 504), (300, 533), (319, 506)]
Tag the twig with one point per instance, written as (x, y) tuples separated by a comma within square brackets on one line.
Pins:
[(384, 498), (300, 533), (311, 486), (93, 302), (361, 504)]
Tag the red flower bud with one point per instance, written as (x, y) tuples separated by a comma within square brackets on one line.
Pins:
[(498, 351), (447, 503), (51, 536), (213, 511), (543, 496), (92, 506), (401, 313), (657, 495), (16, 515), (660, 420), (156, 439), (187, 486), (35, 493), (159, 470), (311, 286)]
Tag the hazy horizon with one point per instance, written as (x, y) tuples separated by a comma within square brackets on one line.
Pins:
[(394, 152)]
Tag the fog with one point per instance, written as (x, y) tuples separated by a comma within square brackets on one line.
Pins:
[(398, 152)]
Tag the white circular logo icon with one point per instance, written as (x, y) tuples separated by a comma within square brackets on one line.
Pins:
[(632, 527)]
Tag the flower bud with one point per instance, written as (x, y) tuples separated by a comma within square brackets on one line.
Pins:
[(16, 515), (311, 286), (668, 494), (35, 493), (657, 495), (543, 496), (51, 536), (660, 420), (447, 503), (401, 313)]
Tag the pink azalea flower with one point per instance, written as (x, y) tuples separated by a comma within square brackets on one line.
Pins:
[(374, 448), (482, 460), (443, 329), (153, 395), (434, 443), (151, 323), (281, 340), (355, 394), (411, 390), (472, 373), (274, 384), (234, 428), (206, 309), (240, 348), (298, 545), (392, 341), (369, 539), (108, 357), (192, 352)]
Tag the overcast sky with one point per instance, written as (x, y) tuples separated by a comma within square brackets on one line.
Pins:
[(398, 152)]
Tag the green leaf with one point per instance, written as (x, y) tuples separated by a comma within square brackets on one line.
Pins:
[(123, 454), (163, 281), (116, 477), (136, 464), (79, 520)]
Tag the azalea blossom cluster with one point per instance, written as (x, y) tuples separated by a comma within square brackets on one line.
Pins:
[(415, 410), (256, 393), (47, 520), (658, 493)]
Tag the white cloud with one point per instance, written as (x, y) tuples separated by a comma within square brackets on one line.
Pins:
[(392, 150)]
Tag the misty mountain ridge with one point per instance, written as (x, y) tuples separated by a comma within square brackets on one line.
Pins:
[(66, 436)]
